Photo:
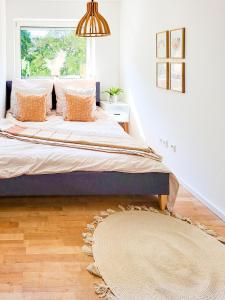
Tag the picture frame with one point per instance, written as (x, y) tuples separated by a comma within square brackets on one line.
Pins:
[(162, 75), (177, 43), (162, 44), (177, 77)]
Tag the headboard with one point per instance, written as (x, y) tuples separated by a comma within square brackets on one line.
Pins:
[(9, 89)]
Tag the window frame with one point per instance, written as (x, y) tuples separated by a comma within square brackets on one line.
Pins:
[(52, 23)]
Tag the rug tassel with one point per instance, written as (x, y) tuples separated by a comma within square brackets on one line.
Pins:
[(122, 208), (137, 208), (86, 234), (103, 291), (130, 207), (200, 226), (98, 219), (91, 227), (166, 213), (188, 220), (111, 297), (211, 232), (89, 240), (111, 211), (177, 216), (152, 209), (104, 214), (87, 250), (221, 239), (145, 208), (92, 268)]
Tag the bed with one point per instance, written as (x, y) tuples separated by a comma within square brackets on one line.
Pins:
[(81, 177)]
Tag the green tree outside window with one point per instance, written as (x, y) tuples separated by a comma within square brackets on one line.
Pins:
[(53, 52)]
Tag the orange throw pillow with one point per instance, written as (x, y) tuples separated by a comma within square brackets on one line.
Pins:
[(79, 108), (31, 108)]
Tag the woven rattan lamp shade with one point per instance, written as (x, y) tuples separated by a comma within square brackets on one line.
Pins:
[(93, 24)]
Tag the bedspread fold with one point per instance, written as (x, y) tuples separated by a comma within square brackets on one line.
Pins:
[(73, 139)]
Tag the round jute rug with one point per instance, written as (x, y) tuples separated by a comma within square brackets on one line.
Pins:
[(145, 255)]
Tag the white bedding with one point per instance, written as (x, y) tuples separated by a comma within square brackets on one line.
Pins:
[(20, 158)]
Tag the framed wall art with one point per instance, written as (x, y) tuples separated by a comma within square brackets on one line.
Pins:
[(177, 43), (177, 77), (162, 44), (162, 75)]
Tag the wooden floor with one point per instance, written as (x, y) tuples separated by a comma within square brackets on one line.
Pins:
[(40, 240)]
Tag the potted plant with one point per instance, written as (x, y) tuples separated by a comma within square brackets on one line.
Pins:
[(114, 92)]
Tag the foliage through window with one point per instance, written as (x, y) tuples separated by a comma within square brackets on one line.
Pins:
[(49, 52)]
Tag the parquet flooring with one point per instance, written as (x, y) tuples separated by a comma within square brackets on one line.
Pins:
[(40, 240)]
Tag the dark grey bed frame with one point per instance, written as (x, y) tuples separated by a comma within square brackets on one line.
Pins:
[(85, 183)]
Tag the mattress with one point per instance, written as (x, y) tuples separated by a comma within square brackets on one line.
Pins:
[(22, 158)]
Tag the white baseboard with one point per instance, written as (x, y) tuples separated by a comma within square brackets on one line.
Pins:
[(217, 211)]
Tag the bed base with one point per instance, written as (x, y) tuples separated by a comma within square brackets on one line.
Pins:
[(88, 183)]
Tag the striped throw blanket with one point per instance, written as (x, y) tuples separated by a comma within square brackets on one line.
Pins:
[(72, 139)]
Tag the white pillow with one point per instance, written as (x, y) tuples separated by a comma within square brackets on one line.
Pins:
[(29, 92), (81, 92), (31, 87), (72, 86)]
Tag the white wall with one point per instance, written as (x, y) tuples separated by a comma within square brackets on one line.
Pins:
[(2, 58), (195, 122), (107, 49)]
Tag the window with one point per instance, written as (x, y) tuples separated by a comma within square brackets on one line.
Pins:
[(50, 51)]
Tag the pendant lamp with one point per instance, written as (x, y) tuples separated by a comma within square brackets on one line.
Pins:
[(93, 24)]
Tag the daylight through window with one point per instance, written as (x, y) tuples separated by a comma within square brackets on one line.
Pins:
[(51, 52)]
